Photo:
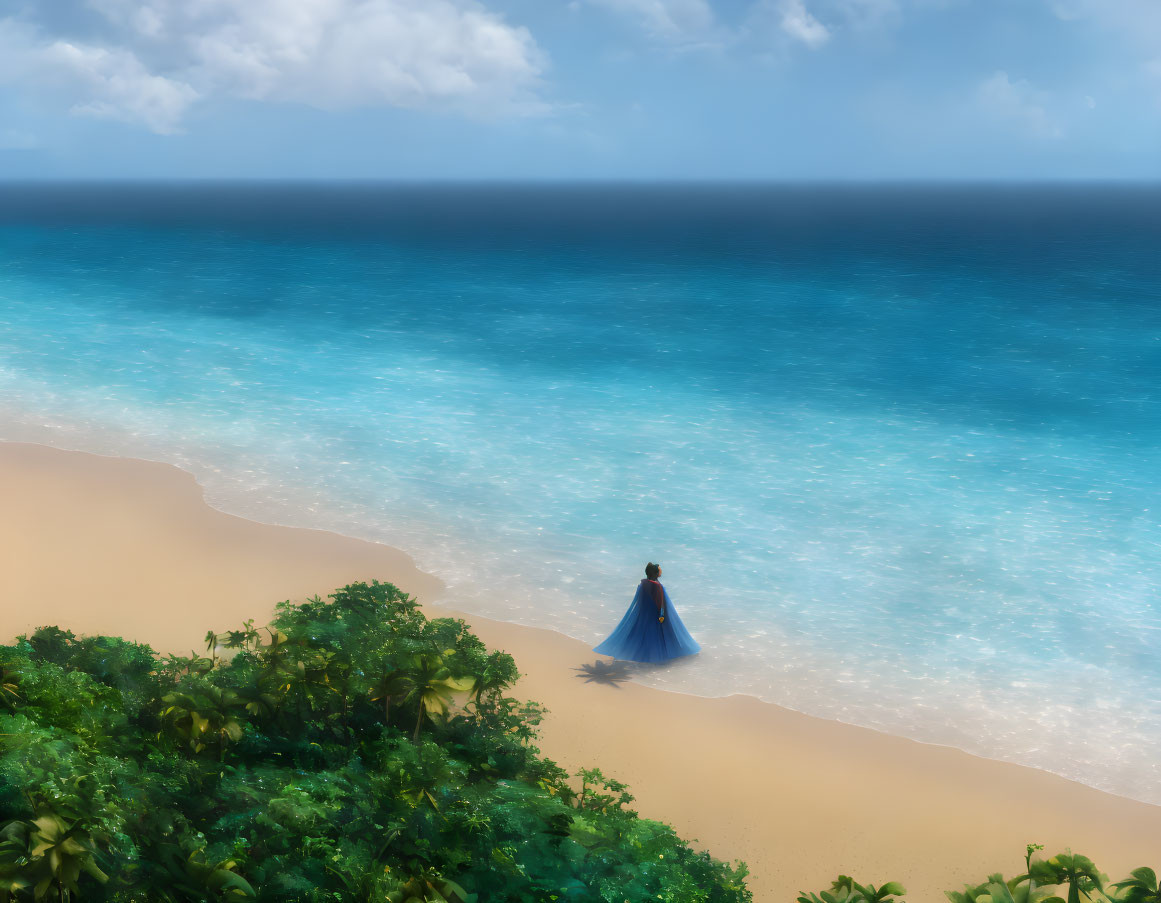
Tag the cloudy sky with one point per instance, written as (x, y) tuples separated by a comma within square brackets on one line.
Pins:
[(512, 89)]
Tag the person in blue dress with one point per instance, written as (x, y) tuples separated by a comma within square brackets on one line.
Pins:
[(651, 631)]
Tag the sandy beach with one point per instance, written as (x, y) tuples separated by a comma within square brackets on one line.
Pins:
[(127, 547)]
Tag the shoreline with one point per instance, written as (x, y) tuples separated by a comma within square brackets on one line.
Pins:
[(425, 578), (288, 513), (130, 547)]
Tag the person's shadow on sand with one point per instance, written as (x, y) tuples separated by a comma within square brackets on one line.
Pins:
[(609, 673)]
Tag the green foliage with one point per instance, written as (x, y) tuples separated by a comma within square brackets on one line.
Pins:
[(9, 685), (996, 890), (846, 890), (592, 781), (1042, 882), (433, 686), (352, 751), (1142, 887), (1075, 872), (188, 876), (46, 856)]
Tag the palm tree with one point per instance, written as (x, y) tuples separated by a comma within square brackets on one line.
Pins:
[(491, 683), (433, 686), (1078, 872), (212, 645), (391, 683)]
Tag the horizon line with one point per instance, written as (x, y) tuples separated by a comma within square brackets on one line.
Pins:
[(1154, 181)]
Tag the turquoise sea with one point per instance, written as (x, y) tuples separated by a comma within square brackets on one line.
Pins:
[(896, 448)]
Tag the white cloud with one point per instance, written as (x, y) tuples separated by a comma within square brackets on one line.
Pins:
[(777, 25), (800, 24), (814, 23), (810, 19), (675, 21), (1018, 103), (93, 80), (162, 55), (116, 85)]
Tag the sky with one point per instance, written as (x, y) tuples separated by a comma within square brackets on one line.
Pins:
[(581, 89)]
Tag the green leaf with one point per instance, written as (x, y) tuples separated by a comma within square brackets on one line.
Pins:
[(999, 893), (1146, 876), (231, 883), (91, 868)]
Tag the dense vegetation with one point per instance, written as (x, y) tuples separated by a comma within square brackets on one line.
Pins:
[(1043, 881), (354, 750)]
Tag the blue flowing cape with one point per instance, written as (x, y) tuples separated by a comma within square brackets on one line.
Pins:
[(640, 638)]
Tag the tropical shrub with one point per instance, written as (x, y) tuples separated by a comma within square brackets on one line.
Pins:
[(353, 750), (1043, 881)]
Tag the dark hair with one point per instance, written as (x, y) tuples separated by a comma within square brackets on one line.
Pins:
[(652, 571)]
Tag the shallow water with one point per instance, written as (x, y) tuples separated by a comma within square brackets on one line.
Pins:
[(896, 449)]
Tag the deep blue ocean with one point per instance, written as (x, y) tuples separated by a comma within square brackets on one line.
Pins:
[(895, 448)]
